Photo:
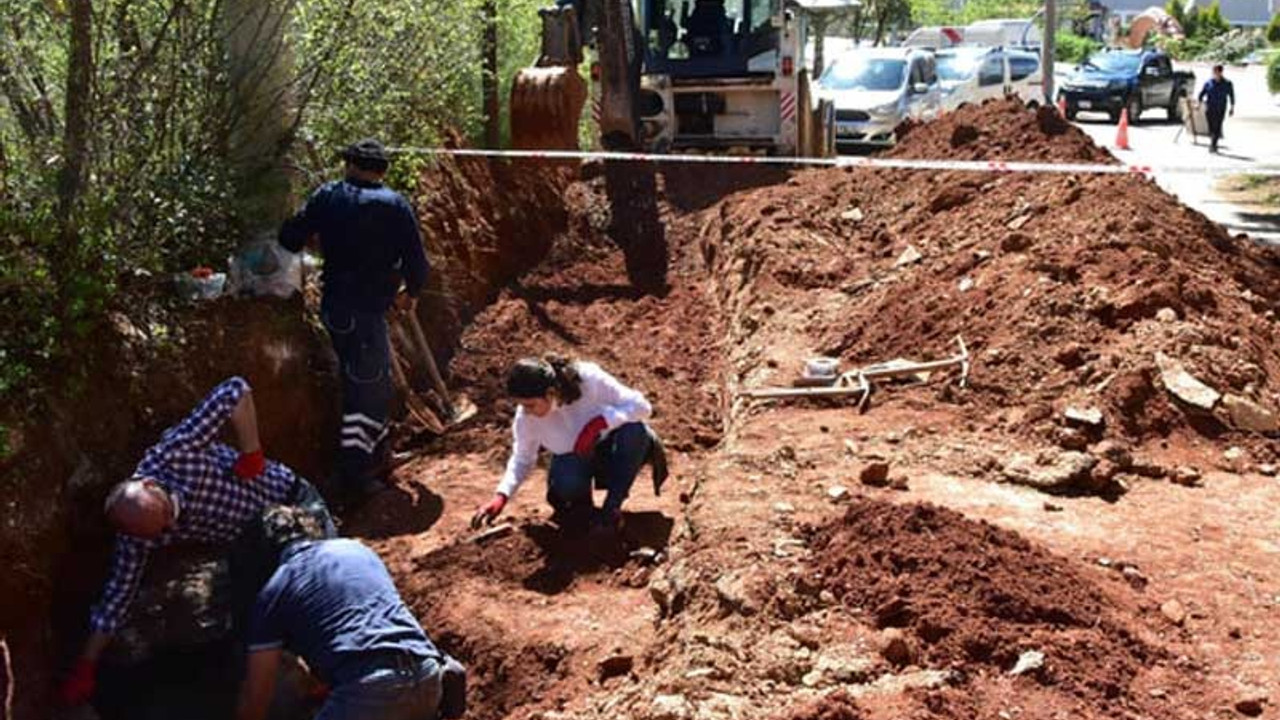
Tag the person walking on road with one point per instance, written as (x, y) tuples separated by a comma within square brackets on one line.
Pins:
[(594, 427), (369, 237), (188, 488), (1215, 96), (333, 603)]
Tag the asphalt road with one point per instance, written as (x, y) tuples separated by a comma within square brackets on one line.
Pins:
[(1251, 138)]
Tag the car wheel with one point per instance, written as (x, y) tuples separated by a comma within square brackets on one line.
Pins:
[(1134, 106), (1175, 109)]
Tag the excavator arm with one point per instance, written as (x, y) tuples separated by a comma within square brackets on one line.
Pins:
[(547, 98)]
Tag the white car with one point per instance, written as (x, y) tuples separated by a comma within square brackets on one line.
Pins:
[(974, 74), (875, 89)]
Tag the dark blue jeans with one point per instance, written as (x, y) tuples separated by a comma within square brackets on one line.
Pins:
[(400, 693), (364, 360), (617, 461)]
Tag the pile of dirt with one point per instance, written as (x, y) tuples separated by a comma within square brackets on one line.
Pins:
[(999, 130), (977, 599), (1065, 287)]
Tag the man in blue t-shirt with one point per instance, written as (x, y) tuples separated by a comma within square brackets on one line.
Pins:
[(1215, 94), (333, 603), (370, 241)]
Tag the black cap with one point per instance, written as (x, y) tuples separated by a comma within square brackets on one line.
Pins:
[(366, 149)]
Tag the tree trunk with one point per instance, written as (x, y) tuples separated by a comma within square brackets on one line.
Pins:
[(260, 72), (75, 139), (492, 108), (818, 30)]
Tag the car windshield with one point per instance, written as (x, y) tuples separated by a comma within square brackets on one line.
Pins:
[(956, 67), (864, 74), (1114, 62)]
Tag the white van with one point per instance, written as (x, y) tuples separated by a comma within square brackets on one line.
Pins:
[(875, 89), (974, 74)]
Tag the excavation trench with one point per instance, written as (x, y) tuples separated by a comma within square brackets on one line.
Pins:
[(761, 269)]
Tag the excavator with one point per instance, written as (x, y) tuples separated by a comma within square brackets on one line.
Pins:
[(704, 76)]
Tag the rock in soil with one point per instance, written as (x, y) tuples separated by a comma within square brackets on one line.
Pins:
[(1246, 414), (1187, 476), (614, 666), (1251, 706), (875, 473), (897, 648), (1174, 612)]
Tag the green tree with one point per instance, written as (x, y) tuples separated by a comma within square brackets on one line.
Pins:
[(1273, 30), (1210, 23), (1273, 74)]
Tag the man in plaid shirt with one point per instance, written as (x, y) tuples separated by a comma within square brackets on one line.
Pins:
[(189, 487)]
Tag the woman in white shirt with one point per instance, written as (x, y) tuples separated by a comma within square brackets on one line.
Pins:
[(594, 428)]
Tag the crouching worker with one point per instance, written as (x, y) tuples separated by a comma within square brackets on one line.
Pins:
[(594, 428), (189, 487), (333, 603)]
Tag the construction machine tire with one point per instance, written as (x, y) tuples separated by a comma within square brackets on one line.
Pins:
[(546, 105)]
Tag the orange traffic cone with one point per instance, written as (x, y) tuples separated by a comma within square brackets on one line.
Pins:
[(1062, 106), (1122, 131)]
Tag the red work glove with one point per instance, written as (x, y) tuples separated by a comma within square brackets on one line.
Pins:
[(586, 443), (78, 687), (250, 465), (486, 514)]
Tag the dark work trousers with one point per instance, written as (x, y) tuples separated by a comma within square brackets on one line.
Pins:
[(364, 360), (1215, 116), (617, 461)]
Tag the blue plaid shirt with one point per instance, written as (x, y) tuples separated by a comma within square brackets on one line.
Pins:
[(213, 504)]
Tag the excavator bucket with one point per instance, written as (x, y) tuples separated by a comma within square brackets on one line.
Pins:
[(547, 99), (546, 104)]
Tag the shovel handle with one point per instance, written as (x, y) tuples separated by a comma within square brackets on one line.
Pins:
[(420, 339)]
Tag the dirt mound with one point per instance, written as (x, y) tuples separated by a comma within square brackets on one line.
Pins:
[(1066, 288), (999, 130), (977, 598)]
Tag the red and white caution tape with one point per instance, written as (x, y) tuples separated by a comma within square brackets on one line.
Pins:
[(989, 166)]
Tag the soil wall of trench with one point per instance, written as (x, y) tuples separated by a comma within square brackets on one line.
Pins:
[(483, 223)]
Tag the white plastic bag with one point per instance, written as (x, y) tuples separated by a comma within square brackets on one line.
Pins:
[(265, 268)]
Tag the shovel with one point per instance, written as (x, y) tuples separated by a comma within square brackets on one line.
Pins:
[(456, 411)]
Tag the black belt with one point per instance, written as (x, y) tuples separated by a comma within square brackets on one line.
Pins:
[(399, 661)]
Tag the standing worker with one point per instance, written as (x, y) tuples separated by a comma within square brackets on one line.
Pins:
[(370, 241), (1215, 94), (188, 488), (333, 603), (594, 428)]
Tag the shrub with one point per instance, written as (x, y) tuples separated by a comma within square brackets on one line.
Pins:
[(1273, 30), (1072, 48), (1273, 74)]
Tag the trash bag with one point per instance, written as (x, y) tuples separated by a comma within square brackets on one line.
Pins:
[(265, 269)]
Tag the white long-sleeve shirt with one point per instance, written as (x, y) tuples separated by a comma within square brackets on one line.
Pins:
[(602, 395)]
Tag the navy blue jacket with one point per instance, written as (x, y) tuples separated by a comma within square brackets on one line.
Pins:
[(370, 240), (1218, 91)]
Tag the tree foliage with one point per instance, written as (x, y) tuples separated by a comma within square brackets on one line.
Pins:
[(157, 191), (1273, 30)]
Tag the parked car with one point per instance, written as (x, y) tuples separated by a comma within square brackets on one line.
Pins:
[(974, 74), (1113, 80), (875, 89)]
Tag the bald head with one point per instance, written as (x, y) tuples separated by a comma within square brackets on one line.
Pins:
[(139, 508)]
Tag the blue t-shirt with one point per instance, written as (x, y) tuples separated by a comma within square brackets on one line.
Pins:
[(333, 603), (370, 240)]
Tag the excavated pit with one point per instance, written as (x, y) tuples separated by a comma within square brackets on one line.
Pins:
[(692, 283)]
